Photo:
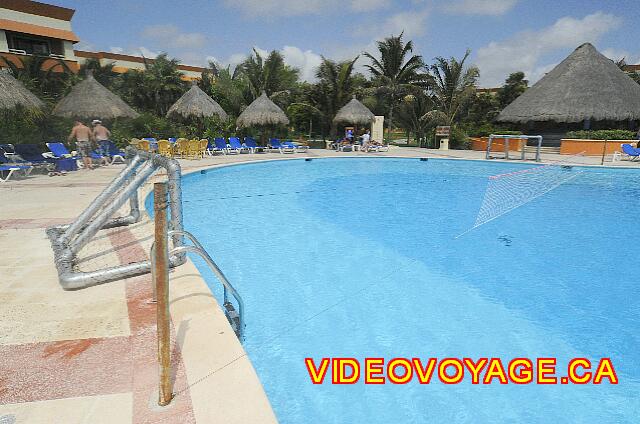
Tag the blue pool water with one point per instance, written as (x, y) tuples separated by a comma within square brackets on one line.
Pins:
[(358, 258)]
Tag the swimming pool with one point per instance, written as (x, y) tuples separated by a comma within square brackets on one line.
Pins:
[(358, 258)]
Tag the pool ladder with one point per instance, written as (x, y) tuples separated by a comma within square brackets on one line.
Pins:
[(235, 317)]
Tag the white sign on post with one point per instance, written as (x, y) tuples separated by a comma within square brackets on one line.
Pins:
[(377, 129)]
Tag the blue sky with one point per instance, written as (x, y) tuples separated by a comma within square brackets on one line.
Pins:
[(503, 35)]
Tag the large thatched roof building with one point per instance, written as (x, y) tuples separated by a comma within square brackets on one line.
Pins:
[(586, 90), (89, 99), (354, 112), (14, 94), (262, 111), (196, 102)]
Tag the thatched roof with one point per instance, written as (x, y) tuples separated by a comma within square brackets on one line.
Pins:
[(354, 112), (196, 102), (13, 93), (586, 85), (262, 111), (90, 99)]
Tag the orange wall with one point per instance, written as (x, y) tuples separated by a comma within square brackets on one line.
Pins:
[(591, 147), (497, 145)]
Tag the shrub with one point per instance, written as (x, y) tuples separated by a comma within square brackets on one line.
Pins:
[(602, 135), (486, 130)]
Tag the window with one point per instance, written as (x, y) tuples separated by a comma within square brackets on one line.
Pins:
[(30, 45)]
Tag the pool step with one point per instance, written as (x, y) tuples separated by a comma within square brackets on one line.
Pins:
[(233, 317)]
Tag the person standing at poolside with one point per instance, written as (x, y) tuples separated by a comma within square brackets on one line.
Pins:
[(366, 138), (101, 135), (83, 136)]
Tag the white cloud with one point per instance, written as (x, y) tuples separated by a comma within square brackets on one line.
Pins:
[(171, 36), (523, 51), (135, 51), (306, 61), (285, 8), (369, 5), (616, 55), (412, 23), (480, 7)]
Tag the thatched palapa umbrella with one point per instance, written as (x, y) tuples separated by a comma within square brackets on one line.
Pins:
[(261, 112), (14, 94), (355, 113), (586, 86), (196, 102), (90, 99)]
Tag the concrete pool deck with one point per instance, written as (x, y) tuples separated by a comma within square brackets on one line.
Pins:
[(89, 356)]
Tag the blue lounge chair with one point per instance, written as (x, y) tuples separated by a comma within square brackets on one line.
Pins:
[(7, 165), (220, 145), (632, 153), (60, 152), (251, 144), (274, 144), (301, 148), (110, 150), (236, 146), (31, 153)]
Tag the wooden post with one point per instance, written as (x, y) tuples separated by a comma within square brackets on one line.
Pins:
[(161, 283), (604, 151)]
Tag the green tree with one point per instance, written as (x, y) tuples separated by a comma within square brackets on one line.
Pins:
[(46, 77), (397, 71), (333, 90), (104, 74), (454, 85), (411, 111), (513, 87), (162, 84), (225, 87), (269, 74)]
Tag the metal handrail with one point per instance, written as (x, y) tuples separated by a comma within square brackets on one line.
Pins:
[(200, 250)]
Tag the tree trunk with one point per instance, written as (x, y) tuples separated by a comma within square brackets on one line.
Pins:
[(334, 130), (390, 123)]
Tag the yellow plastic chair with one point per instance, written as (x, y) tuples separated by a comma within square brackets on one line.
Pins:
[(182, 147), (165, 149), (144, 145), (203, 147), (194, 149)]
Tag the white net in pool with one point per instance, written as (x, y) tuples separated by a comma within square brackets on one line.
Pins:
[(506, 192)]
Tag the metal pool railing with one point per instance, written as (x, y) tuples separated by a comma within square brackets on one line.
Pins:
[(68, 240), (236, 319)]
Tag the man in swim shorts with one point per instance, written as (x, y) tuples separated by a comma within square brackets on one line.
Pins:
[(101, 136), (83, 136)]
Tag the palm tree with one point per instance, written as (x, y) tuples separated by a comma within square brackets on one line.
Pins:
[(333, 89), (163, 81), (225, 87), (269, 74), (48, 78), (453, 85), (411, 112), (397, 71), (104, 74)]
